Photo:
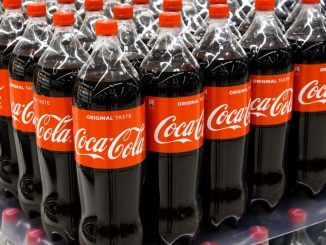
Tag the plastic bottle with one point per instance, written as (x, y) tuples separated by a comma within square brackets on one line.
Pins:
[(297, 218), (245, 24), (51, 8), (35, 237), (21, 68), (131, 44), (201, 30), (192, 17), (86, 35), (307, 36), (188, 38), (53, 84), (174, 102), (258, 235), (12, 227), (281, 11), (109, 134), (11, 28), (237, 14), (227, 120), (144, 20), (292, 16), (271, 75), (69, 5), (108, 7)]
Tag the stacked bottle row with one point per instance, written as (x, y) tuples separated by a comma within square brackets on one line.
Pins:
[(109, 130)]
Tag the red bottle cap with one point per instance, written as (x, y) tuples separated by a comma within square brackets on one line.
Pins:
[(170, 19), (66, 1), (172, 5), (219, 11), (12, 4), (311, 1), (36, 9), (93, 5), (10, 215), (218, 1), (297, 216), (34, 236), (123, 11), (63, 19), (258, 233), (265, 5), (140, 1), (106, 27), (209, 243)]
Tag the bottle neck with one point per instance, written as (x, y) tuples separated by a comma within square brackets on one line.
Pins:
[(68, 6), (175, 31), (141, 6), (63, 29), (90, 14), (37, 20), (13, 11)]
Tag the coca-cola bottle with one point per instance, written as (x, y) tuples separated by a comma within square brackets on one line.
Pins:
[(53, 83), (201, 30), (108, 7), (292, 16), (188, 38), (11, 28), (271, 75), (109, 134), (86, 35), (22, 64), (191, 17), (69, 5), (258, 235), (144, 20), (131, 44), (307, 36), (227, 114), (174, 104), (51, 7), (298, 217), (237, 14)]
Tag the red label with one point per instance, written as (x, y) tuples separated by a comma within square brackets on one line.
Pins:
[(227, 111), (309, 87), (4, 94), (109, 139), (21, 97), (53, 117), (271, 99), (175, 124)]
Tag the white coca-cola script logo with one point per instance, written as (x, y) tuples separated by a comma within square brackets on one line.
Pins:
[(128, 143), (60, 133), (181, 132), (233, 119), (273, 107), (312, 93), (22, 113)]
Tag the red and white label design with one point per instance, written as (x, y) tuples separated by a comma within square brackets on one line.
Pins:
[(227, 111), (21, 97), (271, 99), (109, 139), (175, 124), (4, 94), (309, 87), (53, 116)]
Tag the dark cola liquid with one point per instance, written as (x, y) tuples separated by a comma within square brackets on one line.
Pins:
[(21, 68), (8, 158), (60, 208), (110, 199), (267, 144), (169, 195), (308, 131), (223, 188)]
